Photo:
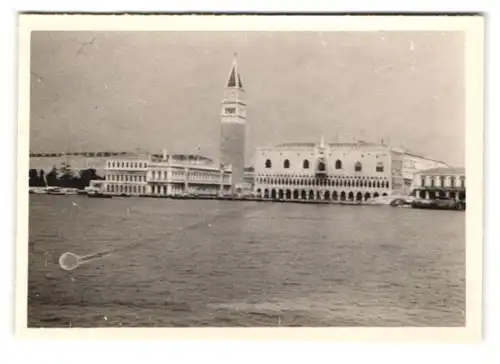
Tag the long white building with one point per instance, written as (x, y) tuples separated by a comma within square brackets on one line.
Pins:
[(165, 175)]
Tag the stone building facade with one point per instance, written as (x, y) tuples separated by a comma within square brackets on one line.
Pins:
[(166, 175), (442, 183), (351, 171)]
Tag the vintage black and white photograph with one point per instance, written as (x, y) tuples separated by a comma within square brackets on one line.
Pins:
[(248, 178)]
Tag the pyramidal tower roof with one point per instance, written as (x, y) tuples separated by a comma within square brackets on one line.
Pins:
[(234, 80)]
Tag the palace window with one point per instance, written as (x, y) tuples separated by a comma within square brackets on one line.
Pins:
[(441, 180), (338, 164), (422, 182), (286, 164), (268, 163), (321, 166), (305, 164), (452, 182), (380, 167), (432, 182), (230, 110), (358, 167)]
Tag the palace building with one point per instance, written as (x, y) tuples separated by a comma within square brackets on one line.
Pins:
[(352, 171)]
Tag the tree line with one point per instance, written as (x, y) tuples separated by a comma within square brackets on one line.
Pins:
[(63, 177)]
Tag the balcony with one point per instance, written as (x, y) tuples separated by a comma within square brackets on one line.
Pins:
[(321, 168)]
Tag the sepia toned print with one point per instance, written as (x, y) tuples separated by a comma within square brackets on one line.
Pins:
[(250, 178)]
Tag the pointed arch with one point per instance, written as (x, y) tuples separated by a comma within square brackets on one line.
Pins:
[(367, 196), (288, 194), (358, 167), (379, 167), (342, 196), (350, 196), (338, 164), (305, 164), (286, 164), (268, 163), (335, 196), (359, 196), (303, 195), (326, 195), (295, 194)]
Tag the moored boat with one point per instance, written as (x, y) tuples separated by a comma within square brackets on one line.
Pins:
[(438, 204), (55, 191), (38, 190), (98, 194)]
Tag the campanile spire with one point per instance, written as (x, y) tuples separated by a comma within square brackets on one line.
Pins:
[(234, 79)]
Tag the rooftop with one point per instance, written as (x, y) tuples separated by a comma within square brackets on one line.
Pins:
[(311, 144), (444, 171), (356, 143), (184, 157)]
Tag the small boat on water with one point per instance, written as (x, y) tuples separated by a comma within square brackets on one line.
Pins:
[(97, 194), (38, 190), (438, 204), (55, 191), (350, 203)]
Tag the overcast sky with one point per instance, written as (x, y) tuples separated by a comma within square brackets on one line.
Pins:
[(97, 91)]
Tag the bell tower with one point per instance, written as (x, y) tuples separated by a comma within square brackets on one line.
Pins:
[(233, 125)]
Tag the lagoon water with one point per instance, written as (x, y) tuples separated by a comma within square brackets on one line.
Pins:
[(220, 263)]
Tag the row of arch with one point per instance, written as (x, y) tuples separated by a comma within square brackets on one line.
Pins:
[(434, 194), (126, 189), (124, 164), (288, 194), (358, 167), (362, 183)]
